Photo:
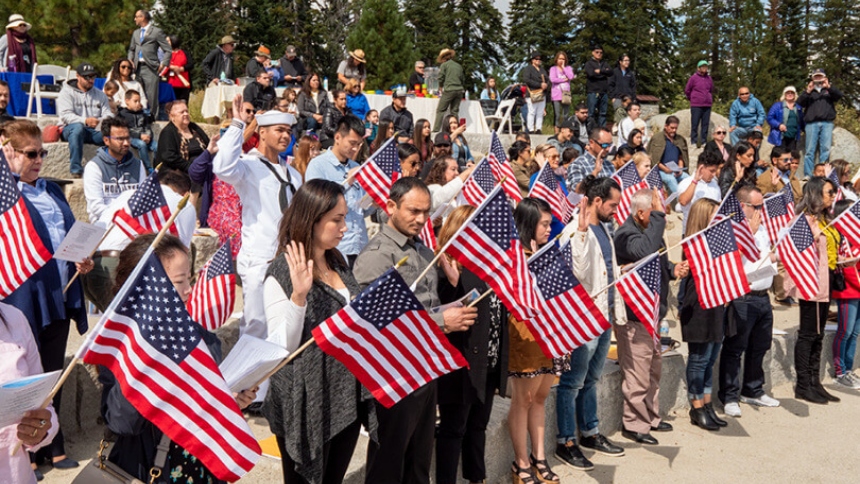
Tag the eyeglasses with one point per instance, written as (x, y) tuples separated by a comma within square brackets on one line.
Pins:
[(754, 207), (830, 192), (121, 139), (249, 111), (719, 132), (785, 160), (89, 77), (33, 154)]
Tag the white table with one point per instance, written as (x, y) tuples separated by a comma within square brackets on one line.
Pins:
[(425, 108), (216, 96)]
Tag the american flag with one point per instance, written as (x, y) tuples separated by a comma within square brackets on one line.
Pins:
[(156, 351), (656, 183), (799, 255), (21, 248), (546, 187), (848, 224), (834, 177), (388, 341), (502, 169), (640, 289), (488, 245), (776, 215), (427, 235), (716, 265), (379, 172), (148, 210), (214, 293), (731, 208), (568, 317), (789, 197), (630, 182), (479, 184)]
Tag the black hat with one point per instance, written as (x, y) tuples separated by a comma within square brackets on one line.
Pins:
[(596, 47), (535, 55), (567, 123), (86, 69), (442, 139)]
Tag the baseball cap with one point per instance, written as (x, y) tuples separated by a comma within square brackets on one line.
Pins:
[(818, 73), (567, 123), (291, 50), (85, 69), (399, 92), (702, 63), (442, 139)]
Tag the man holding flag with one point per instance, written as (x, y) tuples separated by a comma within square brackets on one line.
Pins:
[(595, 266), (749, 322), (641, 235), (406, 429)]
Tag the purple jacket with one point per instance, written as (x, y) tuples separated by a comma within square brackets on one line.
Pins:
[(559, 83), (700, 90)]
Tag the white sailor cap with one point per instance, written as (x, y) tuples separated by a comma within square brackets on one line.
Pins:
[(273, 117)]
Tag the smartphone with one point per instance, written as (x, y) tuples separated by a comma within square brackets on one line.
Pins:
[(462, 121)]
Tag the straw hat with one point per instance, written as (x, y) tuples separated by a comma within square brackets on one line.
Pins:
[(444, 55), (227, 39), (358, 55), (16, 20)]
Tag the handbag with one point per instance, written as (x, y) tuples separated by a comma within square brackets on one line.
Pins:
[(102, 471), (565, 98), (537, 95), (837, 280)]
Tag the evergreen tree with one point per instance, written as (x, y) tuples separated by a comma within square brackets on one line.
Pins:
[(530, 28), (262, 22), (382, 33), (431, 28), (183, 18), (479, 31), (837, 44), (702, 38), (332, 21), (73, 31)]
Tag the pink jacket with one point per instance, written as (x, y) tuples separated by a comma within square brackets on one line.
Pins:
[(560, 79)]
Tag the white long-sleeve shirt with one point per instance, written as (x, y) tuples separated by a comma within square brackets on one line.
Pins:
[(284, 318), (258, 189)]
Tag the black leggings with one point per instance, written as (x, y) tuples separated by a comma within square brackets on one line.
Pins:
[(337, 453)]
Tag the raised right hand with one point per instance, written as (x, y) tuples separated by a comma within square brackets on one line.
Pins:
[(301, 272)]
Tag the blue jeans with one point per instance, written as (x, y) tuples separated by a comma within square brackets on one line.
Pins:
[(845, 341), (699, 116), (144, 149), (77, 134), (576, 395), (740, 134), (671, 180), (819, 134), (700, 369), (597, 104)]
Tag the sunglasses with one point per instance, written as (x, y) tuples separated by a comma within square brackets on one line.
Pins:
[(755, 207), (125, 67), (719, 132), (744, 94), (603, 145), (831, 192), (33, 154), (249, 111)]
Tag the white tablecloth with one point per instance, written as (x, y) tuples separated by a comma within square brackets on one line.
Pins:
[(218, 98), (425, 108)]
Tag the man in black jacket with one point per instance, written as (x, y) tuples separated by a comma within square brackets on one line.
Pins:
[(639, 236), (293, 71), (398, 114), (219, 61), (582, 126), (260, 93), (819, 111), (597, 72)]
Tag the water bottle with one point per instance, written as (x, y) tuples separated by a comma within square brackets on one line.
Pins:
[(325, 83), (664, 330)]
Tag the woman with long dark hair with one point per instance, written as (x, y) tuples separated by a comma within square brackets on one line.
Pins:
[(459, 146), (815, 206), (312, 103), (122, 74), (739, 169), (522, 164), (315, 406), (421, 139)]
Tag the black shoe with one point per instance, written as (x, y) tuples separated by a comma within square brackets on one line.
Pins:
[(65, 464), (599, 443), (786, 302), (824, 393), (663, 427), (711, 413), (700, 418), (646, 439), (809, 395), (38, 474), (572, 456)]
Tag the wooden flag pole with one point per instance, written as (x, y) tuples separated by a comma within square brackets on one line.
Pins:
[(95, 249), (75, 360)]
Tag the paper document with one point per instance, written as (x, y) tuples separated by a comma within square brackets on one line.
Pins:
[(463, 301), (249, 361), (27, 393), (763, 272), (80, 242), (671, 165)]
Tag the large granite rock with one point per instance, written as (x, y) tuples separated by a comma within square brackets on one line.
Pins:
[(657, 122)]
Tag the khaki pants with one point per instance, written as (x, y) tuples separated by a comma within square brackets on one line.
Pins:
[(779, 282), (641, 364)]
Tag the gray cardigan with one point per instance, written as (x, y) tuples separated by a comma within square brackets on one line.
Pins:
[(315, 397)]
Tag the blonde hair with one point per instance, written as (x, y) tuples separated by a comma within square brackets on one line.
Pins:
[(452, 224), (640, 157), (700, 215)]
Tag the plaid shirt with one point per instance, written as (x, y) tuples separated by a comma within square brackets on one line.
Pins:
[(583, 166)]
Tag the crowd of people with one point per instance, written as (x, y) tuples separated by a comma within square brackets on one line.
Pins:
[(278, 181)]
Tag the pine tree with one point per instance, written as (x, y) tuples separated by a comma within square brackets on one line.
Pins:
[(262, 22), (479, 31), (837, 43), (332, 22), (530, 28), (431, 28), (182, 18), (382, 33), (73, 31)]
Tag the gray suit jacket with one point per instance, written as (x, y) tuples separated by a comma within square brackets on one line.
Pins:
[(153, 39)]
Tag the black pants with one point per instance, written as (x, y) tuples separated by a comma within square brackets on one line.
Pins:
[(791, 144), (52, 352), (405, 440), (462, 432), (182, 93), (700, 123), (753, 316), (807, 351), (337, 453)]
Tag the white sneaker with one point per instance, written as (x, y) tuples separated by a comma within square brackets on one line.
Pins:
[(732, 409), (846, 381), (855, 380), (762, 401)]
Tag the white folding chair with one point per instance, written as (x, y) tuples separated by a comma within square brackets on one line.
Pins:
[(61, 74), (502, 116)]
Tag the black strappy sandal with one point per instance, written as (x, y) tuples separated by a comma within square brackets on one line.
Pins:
[(544, 472), (519, 473)]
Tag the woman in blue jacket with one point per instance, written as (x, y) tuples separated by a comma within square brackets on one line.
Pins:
[(785, 118), (356, 101)]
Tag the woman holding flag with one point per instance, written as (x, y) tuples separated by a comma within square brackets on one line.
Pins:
[(137, 439), (531, 372), (315, 406)]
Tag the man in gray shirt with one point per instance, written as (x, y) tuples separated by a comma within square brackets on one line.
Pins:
[(406, 430)]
